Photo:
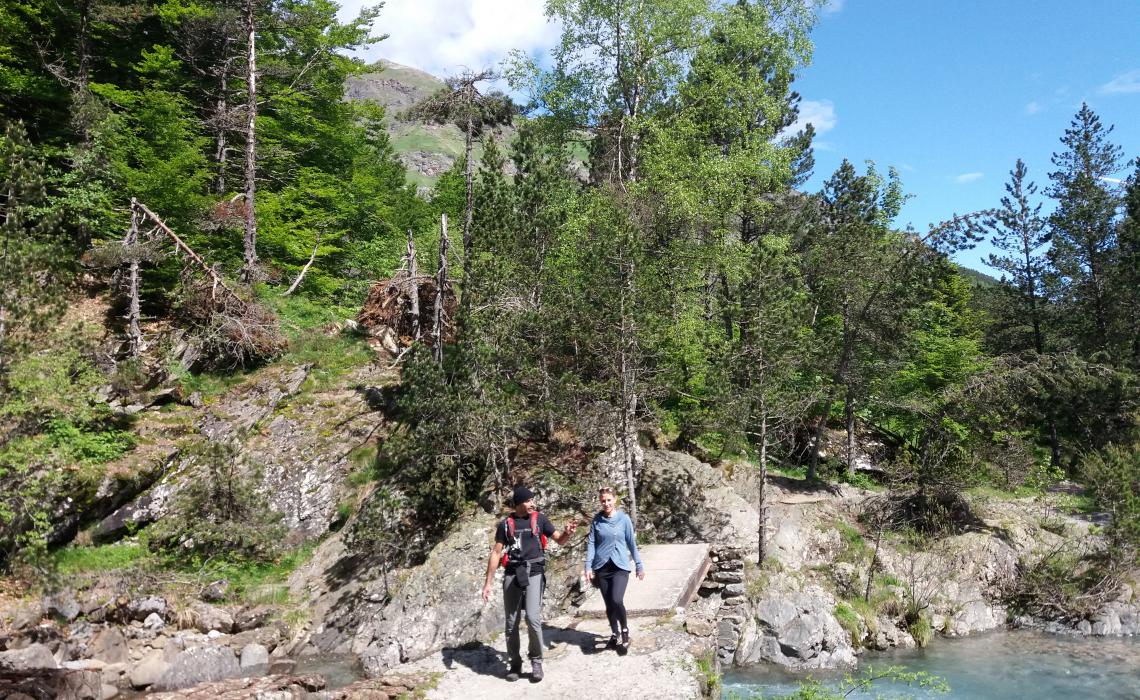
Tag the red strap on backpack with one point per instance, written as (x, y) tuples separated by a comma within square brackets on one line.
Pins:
[(509, 523)]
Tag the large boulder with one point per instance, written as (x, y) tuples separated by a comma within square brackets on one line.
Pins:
[(685, 500), (254, 659), (148, 670), (795, 629), (30, 658), (108, 645), (210, 617), (199, 665), (427, 608)]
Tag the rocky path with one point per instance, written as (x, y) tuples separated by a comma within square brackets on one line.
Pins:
[(661, 663)]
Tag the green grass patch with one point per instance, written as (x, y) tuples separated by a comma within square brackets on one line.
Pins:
[(921, 630), (253, 583), (850, 621), (331, 357), (108, 557), (207, 384), (299, 313), (990, 491), (886, 580), (363, 461)]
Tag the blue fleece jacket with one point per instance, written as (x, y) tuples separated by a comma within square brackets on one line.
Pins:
[(609, 540)]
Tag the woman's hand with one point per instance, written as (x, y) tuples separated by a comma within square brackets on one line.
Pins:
[(641, 574), (571, 527), (589, 576), (486, 591)]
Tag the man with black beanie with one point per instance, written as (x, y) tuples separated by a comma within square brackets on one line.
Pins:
[(523, 534)]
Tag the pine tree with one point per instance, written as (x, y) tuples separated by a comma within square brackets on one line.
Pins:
[(1020, 233), (1126, 274), (30, 255), (1083, 230)]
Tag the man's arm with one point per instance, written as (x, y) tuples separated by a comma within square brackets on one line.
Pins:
[(563, 535), (492, 564)]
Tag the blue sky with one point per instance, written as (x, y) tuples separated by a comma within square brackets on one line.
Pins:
[(949, 92)]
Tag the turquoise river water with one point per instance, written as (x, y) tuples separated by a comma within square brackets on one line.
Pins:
[(995, 666)]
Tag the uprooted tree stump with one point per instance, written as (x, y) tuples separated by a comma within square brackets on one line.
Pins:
[(397, 308)]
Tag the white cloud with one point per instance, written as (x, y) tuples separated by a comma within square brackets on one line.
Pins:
[(1033, 108), (832, 6), (1122, 84), (967, 177), (1113, 180), (818, 113), (444, 37)]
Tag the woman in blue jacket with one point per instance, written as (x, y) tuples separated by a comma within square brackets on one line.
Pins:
[(609, 547)]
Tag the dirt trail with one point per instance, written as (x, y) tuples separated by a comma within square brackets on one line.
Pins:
[(661, 663)]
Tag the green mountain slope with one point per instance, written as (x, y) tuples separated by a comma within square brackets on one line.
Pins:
[(427, 150)]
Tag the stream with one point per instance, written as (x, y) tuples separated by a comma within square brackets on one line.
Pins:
[(994, 666)]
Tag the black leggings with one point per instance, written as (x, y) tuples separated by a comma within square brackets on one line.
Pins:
[(612, 580)]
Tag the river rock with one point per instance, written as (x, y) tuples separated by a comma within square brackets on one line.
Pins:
[(215, 592), (154, 622), (252, 618), (199, 665), (269, 637), (24, 614), (30, 658), (141, 608), (254, 658), (108, 645), (62, 605), (148, 670), (433, 608), (209, 617)]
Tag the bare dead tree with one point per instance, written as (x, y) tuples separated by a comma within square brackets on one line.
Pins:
[(250, 242), (413, 287), (441, 284), (301, 274), (133, 331), (216, 281)]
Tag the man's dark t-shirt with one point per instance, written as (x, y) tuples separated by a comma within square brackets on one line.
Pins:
[(531, 546)]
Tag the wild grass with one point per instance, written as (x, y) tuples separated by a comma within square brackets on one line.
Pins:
[(119, 556)]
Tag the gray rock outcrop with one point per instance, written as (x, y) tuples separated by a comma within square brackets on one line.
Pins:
[(797, 631), (199, 665)]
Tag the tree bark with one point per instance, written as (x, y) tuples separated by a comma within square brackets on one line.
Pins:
[(413, 287), (221, 120), (762, 531), (10, 206), (628, 399), (250, 243), (134, 333)]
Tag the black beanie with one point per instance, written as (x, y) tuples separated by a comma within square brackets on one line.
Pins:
[(522, 494)]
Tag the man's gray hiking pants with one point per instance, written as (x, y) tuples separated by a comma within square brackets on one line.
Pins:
[(514, 599)]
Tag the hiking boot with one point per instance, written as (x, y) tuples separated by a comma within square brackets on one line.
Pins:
[(623, 648), (515, 672), (536, 670), (612, 644)]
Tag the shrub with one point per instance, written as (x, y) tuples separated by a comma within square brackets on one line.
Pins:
[(219, 513), (1113, 477)]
